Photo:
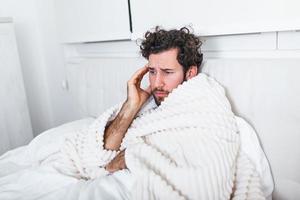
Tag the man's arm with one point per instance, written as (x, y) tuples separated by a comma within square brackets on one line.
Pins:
[(115, 132), (136, 97)]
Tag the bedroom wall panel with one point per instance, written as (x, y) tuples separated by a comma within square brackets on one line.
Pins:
[(15, 123), (96, 84)]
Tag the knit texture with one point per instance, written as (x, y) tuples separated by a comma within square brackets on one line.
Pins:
[(187, 148)]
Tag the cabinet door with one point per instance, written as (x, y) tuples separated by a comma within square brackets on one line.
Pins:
[(289, 40), (15, 125), (216, 17), (92, 20)]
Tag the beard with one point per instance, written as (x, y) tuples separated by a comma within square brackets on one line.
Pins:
[(158, 100)]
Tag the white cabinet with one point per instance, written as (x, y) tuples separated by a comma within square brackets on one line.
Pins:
[(100, 20), (266, 41), (92, 20), (289, 40), (15, 125), (216, 17)]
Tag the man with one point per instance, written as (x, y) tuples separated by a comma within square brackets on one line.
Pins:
[(186, 147), (173, 57)]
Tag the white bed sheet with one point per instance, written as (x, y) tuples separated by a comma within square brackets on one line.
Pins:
[(28, 172)]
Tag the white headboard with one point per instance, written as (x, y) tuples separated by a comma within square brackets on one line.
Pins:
[(266, 92)]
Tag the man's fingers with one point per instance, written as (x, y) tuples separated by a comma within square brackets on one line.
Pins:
[(135, 94), (138, 75), (117, 163)]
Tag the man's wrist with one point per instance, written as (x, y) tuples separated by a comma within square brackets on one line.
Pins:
[(131, 109)]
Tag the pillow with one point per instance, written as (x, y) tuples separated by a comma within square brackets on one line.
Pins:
[(250, 145)]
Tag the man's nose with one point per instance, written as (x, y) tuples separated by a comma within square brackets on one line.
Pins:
[(159, 83)]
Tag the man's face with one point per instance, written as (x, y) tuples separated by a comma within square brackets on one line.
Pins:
[(165, 74)]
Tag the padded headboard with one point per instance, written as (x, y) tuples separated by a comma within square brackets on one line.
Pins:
[(266, 92)]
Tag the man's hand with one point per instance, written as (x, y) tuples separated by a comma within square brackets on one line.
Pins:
[(118, 163), (136, 96)]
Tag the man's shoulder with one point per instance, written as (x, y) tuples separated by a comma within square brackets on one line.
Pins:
[(148, 105)]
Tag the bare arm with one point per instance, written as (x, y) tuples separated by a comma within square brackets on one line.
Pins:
[(115, 132), (136, 97)]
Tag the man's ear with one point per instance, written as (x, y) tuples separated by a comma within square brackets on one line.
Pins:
[(191, 72)]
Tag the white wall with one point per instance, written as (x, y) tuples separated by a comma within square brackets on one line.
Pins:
[(60, 99), (15, 124), (41, 59)]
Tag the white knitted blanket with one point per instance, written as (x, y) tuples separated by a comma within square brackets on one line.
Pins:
[(187, 148)]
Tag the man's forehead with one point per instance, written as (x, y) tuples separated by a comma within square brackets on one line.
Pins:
[(163, 65), (164, 60)]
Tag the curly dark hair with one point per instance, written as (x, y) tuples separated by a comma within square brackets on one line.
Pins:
[(187, 43)]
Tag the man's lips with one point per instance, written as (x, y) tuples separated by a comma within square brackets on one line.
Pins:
[(160, 94)]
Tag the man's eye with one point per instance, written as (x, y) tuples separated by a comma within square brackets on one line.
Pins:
[(151, 72), (169, 72)]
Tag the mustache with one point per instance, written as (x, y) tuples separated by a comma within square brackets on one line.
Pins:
[(159, 90)]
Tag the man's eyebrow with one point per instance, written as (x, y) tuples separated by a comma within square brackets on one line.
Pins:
[(167, 69), (163, 69)]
